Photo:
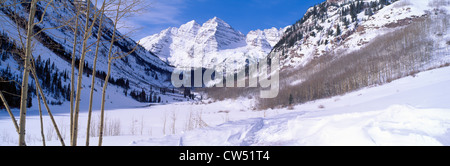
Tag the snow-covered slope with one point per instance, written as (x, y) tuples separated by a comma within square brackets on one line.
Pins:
[(210, 44), (343, 26), (142, 69), (409, 111)]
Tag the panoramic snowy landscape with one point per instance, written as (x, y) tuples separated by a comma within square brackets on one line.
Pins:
[(345, 73), (410, 111)]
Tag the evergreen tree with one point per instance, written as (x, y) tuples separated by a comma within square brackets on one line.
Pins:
[(330, 32), (143, 96), (29, 101), (47, 79), (368, 12), (55, 81), (338, 30), (291, 99), (346, 22), (155, 98)]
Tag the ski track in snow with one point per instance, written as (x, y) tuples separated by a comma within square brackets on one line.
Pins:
[(396, 125)]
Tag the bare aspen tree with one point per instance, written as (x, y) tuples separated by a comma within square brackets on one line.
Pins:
[(24, 92), (91, 95), (72, 77), (28, 50), (124, 8), (75, 111), (87, 34), (26, 55)]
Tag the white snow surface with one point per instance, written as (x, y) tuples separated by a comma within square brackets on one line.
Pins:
[(409, 111)]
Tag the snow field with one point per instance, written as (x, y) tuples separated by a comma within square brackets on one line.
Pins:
[(409, 111), (124, 125)]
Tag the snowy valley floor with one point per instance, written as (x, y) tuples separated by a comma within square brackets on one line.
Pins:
[(408, 111)]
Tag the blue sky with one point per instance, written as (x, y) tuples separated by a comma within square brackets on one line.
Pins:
[(242, 15)]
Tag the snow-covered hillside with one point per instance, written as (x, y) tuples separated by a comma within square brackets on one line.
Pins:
[(141, 69), (210, 44), (408, 111), (342, 26)]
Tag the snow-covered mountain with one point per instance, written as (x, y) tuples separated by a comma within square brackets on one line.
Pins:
[(210, 44), (343, 26), (343, 46)]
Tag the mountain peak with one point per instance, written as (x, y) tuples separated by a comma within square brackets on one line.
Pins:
[(193, 22), (336, 1), (191, 26), (216, 19), (215, 39), (217, 22)]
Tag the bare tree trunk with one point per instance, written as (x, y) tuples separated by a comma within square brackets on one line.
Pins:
[(72, 78), (110, 61), (26, 74), (102, 116), (40, 115), (124, 8), (91, 95), (87, 34), (27, 61), (80, 77)]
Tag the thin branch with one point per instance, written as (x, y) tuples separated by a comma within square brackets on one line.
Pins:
[(66, 23), (18, 29), (1, 80), (12, 94), (15, 3), (126, 54), (5, 103), (43, 14)]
